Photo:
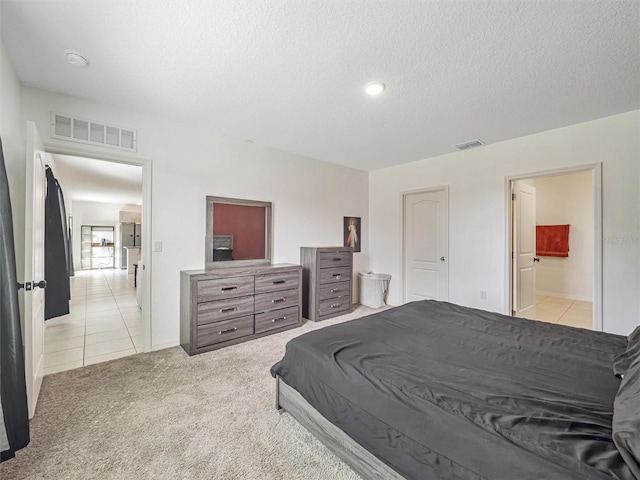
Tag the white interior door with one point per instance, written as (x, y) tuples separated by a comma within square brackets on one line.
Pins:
[(34, 265), (426, 245), (524, 247)]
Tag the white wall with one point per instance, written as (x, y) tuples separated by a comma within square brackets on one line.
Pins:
[(560, 200), (309, 197), (97, 213), (477, 227)]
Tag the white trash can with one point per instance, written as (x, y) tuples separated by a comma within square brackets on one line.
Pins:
[(373, 289)]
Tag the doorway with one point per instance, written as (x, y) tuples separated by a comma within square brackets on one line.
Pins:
[(563, 287), (105, 309), (126, 288), (426, 244), (37, 154)]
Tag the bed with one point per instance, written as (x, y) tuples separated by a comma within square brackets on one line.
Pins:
[(433, 390)]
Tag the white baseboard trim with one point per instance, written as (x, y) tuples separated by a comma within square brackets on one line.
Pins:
[(565, 296)]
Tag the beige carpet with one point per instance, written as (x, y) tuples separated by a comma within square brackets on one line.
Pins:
[(167, 415)]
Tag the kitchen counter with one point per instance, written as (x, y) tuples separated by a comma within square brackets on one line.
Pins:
[(133, 257)]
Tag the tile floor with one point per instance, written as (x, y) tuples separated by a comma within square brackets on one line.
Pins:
[(574, 313), (104, 322)]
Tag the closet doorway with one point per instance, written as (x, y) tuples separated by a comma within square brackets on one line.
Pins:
[(552, 284), (425, 252)]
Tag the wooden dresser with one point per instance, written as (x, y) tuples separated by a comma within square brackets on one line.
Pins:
[(327, 281), (225, 306)]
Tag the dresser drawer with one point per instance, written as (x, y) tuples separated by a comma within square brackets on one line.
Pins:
[(277, 318), (333, 306), (335, 290), (333, 275), (276, 300), (217, 332), (224, 309), (334, 259), (276, 281), (222, 288)]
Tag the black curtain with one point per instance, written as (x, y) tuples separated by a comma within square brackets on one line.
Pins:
[(13, 389), (56, 251)]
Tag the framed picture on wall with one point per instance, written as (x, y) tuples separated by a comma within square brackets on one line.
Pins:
[(352, 233)]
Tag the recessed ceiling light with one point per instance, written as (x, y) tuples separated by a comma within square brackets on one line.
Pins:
[(374, 88), (76, 59)]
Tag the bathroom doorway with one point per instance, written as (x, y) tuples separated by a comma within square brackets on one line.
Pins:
[(556, 287)]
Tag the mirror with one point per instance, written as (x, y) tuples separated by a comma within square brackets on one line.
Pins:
[(238, 232)]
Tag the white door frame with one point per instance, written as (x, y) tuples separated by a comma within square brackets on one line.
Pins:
[(596, 170), (403, 198), (146, 164)]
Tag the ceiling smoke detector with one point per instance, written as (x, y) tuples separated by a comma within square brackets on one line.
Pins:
[(468, 145), (76, 58)]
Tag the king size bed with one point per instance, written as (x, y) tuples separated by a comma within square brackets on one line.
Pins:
[(433, 390)]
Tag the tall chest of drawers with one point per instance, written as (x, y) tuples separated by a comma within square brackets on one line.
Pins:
[(225, 306), (327, 279)]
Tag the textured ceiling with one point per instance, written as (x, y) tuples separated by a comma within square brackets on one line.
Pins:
[(289, 73), (89, 180)]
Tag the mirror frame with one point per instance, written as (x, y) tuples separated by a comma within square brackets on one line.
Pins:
[(208, 244)]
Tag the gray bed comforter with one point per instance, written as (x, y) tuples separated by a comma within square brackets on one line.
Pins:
[(440, 391)]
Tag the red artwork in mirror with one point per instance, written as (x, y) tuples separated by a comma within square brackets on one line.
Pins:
[(246, 224)]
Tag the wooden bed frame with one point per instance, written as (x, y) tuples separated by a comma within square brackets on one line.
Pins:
[(357, 457)]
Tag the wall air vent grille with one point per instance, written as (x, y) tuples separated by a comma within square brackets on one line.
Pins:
[(74, 129), (468, 145)]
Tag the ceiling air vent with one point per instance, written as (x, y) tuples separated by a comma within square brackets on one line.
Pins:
[(66, 127), (468, 145)]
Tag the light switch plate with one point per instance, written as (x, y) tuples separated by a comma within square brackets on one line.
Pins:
[(157, 245)]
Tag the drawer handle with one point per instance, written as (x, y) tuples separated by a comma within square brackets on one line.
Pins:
[(334, 290), (337, 276), (228, 309), (335, 305), (228, 330), (228, 289), (278, 300), (279, 319), (278, 282), (337, 259)]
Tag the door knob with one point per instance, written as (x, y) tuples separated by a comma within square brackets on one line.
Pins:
[(28, 286), (442, 259)]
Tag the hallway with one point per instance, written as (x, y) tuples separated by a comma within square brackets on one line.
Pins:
[(104, 322)]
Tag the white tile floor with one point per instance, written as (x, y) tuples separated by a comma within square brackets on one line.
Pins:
[(574, 313), (104, 322)]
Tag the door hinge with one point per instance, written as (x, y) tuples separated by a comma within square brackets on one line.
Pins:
[(513, 197), (513, 254)]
